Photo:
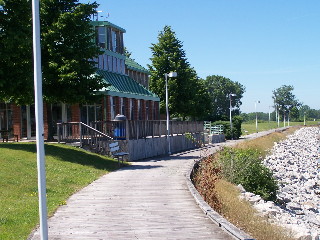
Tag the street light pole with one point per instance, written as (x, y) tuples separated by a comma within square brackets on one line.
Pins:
[(255, 109), (231, 95), (39, 121), (166, 75)]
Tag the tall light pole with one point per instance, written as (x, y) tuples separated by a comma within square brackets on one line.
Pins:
[(230, 97), (39, 121), (166, 75), (288, 107), (255, 109), (269, 116), (278, 117), (304, 118)]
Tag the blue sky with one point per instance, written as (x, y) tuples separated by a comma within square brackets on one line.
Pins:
[(260, 44)]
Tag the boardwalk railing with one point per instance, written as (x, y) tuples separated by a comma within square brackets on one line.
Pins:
[(79, 132), (139, 129), (122, 130), (213, 129)]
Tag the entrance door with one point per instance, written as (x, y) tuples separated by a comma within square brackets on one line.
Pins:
[(28, 122)]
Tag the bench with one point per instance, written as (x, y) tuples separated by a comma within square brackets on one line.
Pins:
[(5, 135), (114, 150)]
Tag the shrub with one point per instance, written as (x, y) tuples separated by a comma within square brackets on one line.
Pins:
[(244, 166), (235, 133)]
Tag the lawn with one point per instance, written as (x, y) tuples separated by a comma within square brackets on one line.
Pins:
[(250, 127), (68, 169)]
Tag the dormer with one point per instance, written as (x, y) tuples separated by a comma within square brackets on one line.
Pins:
[(109, 37)]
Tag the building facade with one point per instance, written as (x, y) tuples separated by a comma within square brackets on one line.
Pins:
[(127, 93)]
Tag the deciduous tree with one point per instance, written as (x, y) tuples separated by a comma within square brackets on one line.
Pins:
[(219, 89), (284, 99), (67, 51)]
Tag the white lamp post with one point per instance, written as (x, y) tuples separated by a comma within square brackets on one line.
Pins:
[(230, 97), (255, 109), (39, 121), (288, 107), (166, 75)]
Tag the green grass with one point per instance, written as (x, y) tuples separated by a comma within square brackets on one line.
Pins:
[(68, 169), (250, 127)]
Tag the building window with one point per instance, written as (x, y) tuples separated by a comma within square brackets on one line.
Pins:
[(114, 40), (132, 109), (101, 37), (139, 110), (147, 110), (123, 106), (112, 108), (91, 113)]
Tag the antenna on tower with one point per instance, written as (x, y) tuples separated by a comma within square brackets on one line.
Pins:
[(96, 15)]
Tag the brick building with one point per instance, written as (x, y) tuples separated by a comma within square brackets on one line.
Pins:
[(126, 94)]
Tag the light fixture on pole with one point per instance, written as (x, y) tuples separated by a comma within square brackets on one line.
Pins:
[(166, 75), (230, 97), (255, 109)]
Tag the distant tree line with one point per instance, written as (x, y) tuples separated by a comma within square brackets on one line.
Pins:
[(285, 106)]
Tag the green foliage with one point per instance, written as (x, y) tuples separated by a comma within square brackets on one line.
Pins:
[(285, 100), (187, 94), (67, 47), (219, 89), (67, 170), (16, 76), (236, 132), (244, 166), (68, 50)]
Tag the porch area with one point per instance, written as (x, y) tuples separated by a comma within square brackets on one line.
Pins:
[(140, 138)]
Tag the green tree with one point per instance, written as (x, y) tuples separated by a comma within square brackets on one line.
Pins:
[(304, 112), (285, 100), (67, 51), (219, 89), (127, 53), (16, 77), (186, 91)]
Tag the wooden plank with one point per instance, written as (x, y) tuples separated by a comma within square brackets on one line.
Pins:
[(148, 200)]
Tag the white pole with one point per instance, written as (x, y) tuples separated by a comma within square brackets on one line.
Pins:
[(230, 116), (167, 110), (39, 121), (255, 109)]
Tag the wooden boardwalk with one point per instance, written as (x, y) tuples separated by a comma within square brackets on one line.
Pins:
[(147, 200)]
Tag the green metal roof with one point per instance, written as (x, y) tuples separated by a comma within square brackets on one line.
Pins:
[(132, 65), (124, 86)]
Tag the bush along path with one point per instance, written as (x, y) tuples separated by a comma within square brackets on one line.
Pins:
[(294, 165)]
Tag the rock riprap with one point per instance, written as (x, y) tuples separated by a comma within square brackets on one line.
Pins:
[(294, 164)]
